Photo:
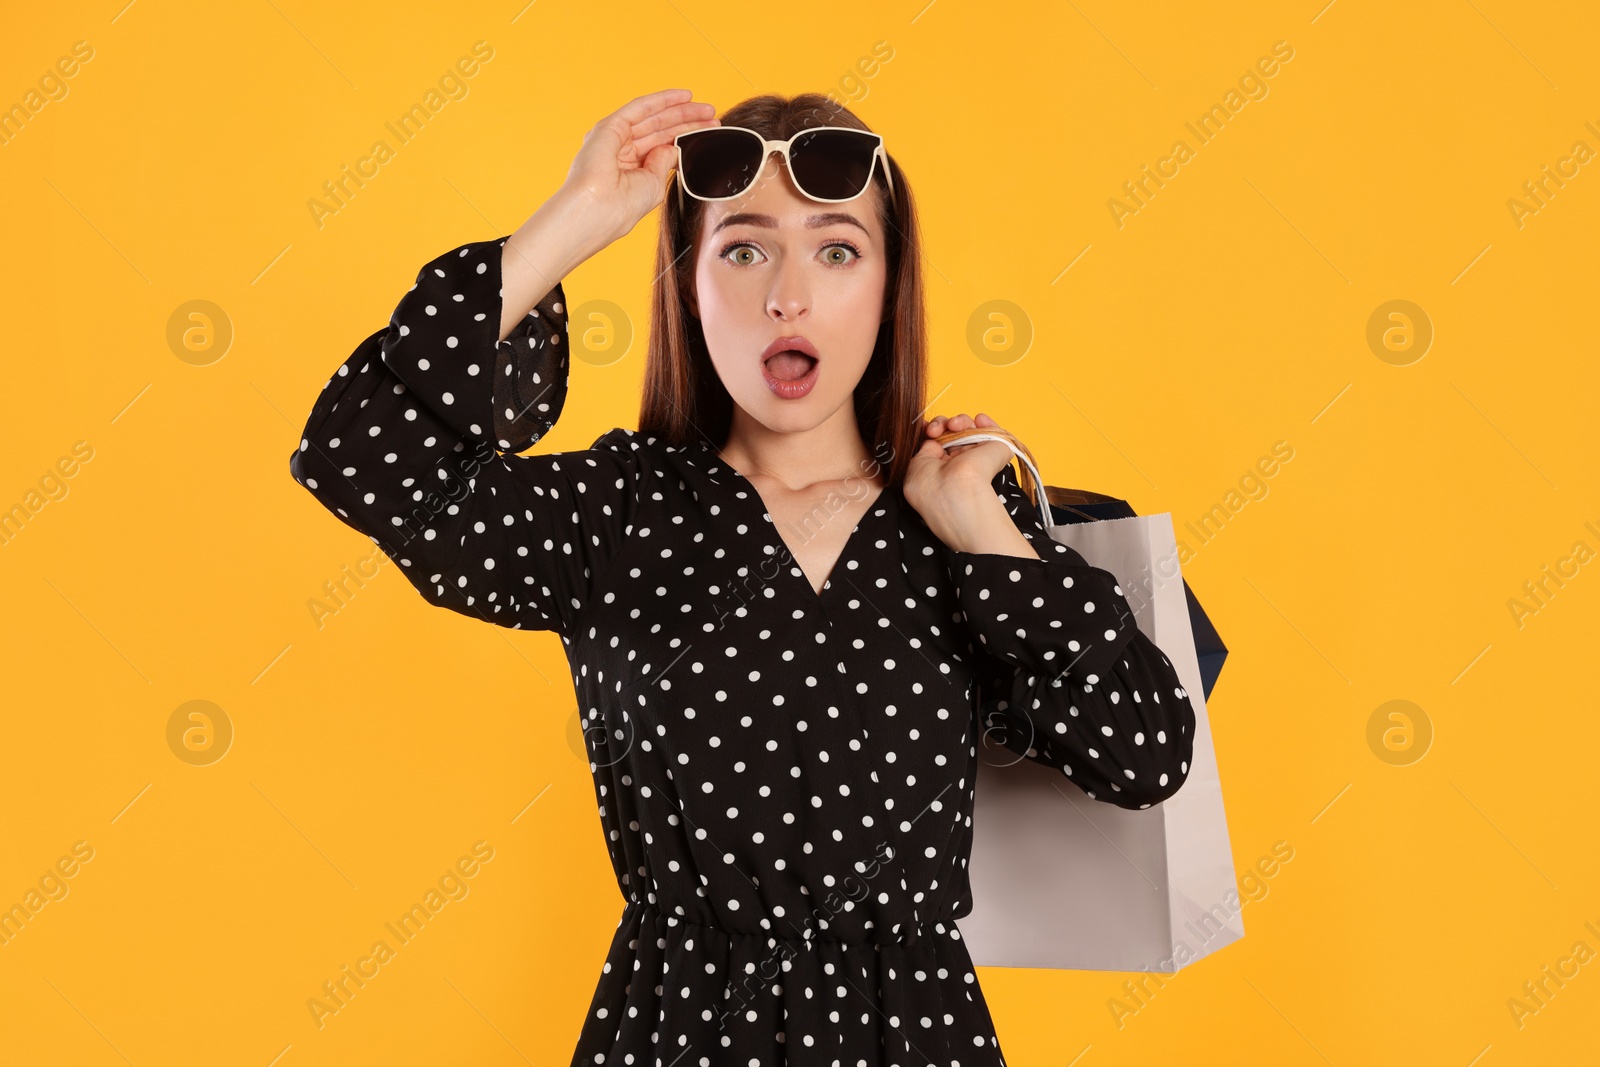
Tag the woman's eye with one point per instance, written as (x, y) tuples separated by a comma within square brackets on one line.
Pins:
[(838, 254), (743, 255)]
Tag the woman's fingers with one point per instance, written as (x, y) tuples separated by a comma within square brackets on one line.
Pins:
[(642, 106), (940, 425), (644, 145), (692, 112), (943, 424), (669, 109)]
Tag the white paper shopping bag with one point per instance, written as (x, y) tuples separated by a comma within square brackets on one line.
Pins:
[(1063, 881)]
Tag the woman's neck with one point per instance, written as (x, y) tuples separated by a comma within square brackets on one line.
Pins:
[(831, 451)]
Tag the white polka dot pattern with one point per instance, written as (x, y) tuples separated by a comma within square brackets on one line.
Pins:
[(398, 446), (784, 777)]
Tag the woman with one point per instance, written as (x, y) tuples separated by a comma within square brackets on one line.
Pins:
[(783, 735)]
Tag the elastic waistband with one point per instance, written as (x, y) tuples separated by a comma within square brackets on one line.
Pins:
[(909, 936)]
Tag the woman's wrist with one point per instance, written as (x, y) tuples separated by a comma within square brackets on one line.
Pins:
[(993, 537), (566, 230), (974, 520)]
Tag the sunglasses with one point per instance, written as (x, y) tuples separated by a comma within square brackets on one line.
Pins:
[(832, 164)]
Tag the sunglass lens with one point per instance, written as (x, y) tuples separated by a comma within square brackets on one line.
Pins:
[(719, 162), (833, 164)]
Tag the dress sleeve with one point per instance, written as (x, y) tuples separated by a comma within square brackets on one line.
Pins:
[(413, 442), (1066, 677)]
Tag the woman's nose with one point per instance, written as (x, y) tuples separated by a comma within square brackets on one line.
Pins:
[(787, 310), (790, 296)]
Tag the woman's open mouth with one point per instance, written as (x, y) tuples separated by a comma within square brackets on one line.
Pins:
[(790, 374)]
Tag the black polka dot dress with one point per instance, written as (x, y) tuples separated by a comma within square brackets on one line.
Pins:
[(784, 777)]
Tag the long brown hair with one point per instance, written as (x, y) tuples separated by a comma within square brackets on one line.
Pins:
[(684, 400)]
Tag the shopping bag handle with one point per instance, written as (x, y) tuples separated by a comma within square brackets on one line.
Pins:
[(1030, 481)]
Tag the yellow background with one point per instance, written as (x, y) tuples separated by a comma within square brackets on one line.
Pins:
[(1229, 313)]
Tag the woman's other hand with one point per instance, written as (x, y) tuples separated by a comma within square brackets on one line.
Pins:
[(953, 489)]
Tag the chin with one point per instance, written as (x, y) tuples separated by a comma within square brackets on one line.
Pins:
[(790, 416)]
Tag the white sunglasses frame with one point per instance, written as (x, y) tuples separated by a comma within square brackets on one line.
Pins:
[(782, 148)]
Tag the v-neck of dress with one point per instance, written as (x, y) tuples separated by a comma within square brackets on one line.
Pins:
[(883, 501)]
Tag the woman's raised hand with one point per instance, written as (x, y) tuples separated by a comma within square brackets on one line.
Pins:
[(617, 177), (622, 168)]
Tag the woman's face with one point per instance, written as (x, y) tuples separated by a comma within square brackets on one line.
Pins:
[(773, 264)]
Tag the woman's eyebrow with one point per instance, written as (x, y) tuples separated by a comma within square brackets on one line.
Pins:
[(826, 218)]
